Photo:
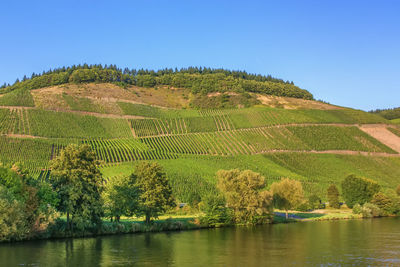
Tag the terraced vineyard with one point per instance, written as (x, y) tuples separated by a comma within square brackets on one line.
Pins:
[(193, 144)]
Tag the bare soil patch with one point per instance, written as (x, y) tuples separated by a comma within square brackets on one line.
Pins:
[(382, 134), (293, 103)]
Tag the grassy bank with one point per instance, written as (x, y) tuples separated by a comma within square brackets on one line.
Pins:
[(182, 223)]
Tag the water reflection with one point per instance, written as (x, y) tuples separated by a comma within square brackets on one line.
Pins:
[(356, 242)]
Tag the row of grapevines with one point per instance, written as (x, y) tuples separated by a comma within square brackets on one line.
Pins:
[(14, 121)]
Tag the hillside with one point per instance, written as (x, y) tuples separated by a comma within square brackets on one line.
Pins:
[(389, 114), (195, 134)]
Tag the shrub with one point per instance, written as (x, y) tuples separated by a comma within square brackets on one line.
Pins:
[(370, 210), (383, 202), (305, 206), (13, 221), (314, 202), (358, 190), (398, 190), (357, 209), (216, 212)]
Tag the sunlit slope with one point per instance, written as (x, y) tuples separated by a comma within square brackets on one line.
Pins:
[(311, 141)]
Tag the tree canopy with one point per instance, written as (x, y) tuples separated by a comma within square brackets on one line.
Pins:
[(155, 193), (79, 183), (358, 190), (287, 194), (198, 79), (333, 196), (246, 195)]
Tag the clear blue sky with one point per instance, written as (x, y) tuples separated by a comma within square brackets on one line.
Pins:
[(344, 52)]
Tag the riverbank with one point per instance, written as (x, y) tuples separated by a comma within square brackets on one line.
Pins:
[(179, 223)]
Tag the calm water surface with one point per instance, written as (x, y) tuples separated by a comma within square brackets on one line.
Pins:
[(373, 242)]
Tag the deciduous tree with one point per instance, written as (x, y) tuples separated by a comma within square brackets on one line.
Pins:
[(244, 194), (78, 182), (333, 196), (287, 194), (155, 193), (358, 190)]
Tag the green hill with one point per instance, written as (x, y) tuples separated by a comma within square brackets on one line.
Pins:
[(194, 122)]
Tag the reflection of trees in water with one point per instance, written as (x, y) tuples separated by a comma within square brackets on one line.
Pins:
[(359, 242)]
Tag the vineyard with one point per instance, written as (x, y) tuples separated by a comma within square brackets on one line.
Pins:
[(193, 144), (194, 176), (396, 131)]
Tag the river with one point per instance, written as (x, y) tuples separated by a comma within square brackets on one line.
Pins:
[(374, 242)]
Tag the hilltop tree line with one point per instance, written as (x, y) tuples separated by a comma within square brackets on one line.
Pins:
[(198, 79), (389, 114)]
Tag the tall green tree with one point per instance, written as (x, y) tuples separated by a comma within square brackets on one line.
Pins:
[(155, 193), (245, 195), (77, 179), (358, 190), (287, 194), (120, 197), (333, 196)]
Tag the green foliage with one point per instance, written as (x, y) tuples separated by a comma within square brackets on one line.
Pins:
[(389, 114), (216, 212), (383, 202), (223, 101), (69, 125), (145, 80), (358, 190), (244, 194), (11, 181), (337, 138), (26, 205), (314, 202), (333, 196), (357, 209), (155, 193), (120, 197), (19, 97), (370, 210), (398, 190), (78, 182), (13, 222), (287, 194), (199, 80)]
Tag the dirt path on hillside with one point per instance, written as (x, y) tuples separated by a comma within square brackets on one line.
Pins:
[(383, 135), (24, 136)]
